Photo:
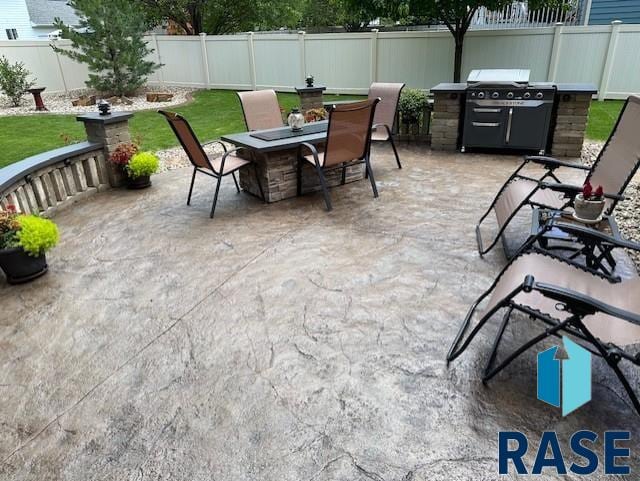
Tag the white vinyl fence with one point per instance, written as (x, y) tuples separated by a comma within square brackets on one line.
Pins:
[(607, 56)]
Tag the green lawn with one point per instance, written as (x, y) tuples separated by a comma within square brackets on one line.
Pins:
[(212, 113)]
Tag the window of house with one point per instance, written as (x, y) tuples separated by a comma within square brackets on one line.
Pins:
[(12, 33)]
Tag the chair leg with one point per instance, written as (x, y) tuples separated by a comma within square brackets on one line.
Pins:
[(193, 179), (255, 171), (371, 179), (395, 152), (496, 342), (299, 177), (325, 191), (344, 174), (215, 198), (235, 181)]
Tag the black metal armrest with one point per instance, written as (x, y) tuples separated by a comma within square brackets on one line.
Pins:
[(585, 232), (312, 148), (582, 304), (236, 149), (216, 142), (572, 190), (552, 163)]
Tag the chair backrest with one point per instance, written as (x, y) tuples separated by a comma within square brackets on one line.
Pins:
[(187, 139), (349, 132), (389, 95), (620, 157), (261, 109)]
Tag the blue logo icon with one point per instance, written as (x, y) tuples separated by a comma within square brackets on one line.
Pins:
[(564, 376)]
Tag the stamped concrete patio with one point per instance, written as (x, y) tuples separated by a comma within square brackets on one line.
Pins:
[(276, 342)]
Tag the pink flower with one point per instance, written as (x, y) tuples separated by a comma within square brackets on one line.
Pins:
[(12, 208), (587, 190)]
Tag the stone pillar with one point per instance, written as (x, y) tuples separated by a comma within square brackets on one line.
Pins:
[(571, 123), (446, 120), (110, 131), (310, 97)]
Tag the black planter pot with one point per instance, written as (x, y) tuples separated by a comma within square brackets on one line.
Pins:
[(20, 267), (141, 182)]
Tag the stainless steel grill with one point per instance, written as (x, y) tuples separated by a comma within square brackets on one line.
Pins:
[(504, 111)]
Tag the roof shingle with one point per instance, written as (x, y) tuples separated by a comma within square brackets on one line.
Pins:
[(43, 12)]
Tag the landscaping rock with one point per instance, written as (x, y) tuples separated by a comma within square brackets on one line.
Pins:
[(159, 97), (84, 101)]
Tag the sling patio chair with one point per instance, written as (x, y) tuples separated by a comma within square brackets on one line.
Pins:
[(260, 109), (597, 310), (348, 143), (385, 117), (614, 168), (217, 168)]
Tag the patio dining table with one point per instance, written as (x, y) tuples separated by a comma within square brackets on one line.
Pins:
[(275, 153)]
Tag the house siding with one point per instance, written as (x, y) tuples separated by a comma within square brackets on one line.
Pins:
[(603, 12), (15, 15)]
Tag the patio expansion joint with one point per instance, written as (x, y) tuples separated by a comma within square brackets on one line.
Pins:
[(134, 356)]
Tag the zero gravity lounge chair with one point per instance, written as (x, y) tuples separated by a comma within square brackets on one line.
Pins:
[(600, 312), (613, 169)]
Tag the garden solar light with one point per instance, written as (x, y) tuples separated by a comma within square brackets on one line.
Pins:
[(104, 107)]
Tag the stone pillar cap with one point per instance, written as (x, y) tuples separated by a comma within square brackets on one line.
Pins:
[(112, 118), (315, 88)]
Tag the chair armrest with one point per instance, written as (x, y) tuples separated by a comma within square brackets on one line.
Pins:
[(552, 163), (216, 142), (593, 234), (236, 149), (313, 150), (573, 190), (582, 304)]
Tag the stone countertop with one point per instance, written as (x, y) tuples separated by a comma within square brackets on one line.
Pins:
[(562, 87)]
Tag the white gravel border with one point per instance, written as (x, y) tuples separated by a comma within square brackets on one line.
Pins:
[(60, 103)]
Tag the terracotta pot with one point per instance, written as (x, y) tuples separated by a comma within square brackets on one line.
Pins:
[(588, 209), (20, 267), (141, 182)]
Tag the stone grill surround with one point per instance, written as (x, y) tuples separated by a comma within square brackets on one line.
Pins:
[(570, 125), (445, 123)]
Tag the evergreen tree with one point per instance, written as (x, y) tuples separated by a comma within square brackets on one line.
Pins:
[(110, 41)]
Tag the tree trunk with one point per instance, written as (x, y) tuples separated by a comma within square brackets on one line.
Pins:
[(457, 62)]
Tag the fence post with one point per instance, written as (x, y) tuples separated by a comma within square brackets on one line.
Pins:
[(555, 52), (252, 61), (205, 59), (587, 13), (157, 49), (303, 56), (61, 70), (374, 55), (608, 63)]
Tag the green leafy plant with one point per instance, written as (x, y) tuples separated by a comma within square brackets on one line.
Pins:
[(143, 164), (412, 104), (34, 234), (13, 80)]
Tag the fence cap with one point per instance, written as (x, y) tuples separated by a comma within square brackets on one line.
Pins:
[(96, 118)]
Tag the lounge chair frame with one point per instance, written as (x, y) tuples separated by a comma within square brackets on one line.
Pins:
[(575, 303), (210, 170), (569, 191), (320, 170)]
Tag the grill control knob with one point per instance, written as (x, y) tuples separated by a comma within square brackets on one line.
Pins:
[(495, 95), (539, 95), (510, 95), (527, 95), (480, 95)]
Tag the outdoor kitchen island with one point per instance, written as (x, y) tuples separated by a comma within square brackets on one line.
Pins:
[(275, 152), (508, 108)]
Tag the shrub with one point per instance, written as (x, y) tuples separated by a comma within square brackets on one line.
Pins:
[(13, 80), (9, 227), (123, 153), (315, 115), (412, 104), (36, 235), (142, 164)]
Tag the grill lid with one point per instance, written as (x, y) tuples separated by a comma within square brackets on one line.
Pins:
[(519, 77)]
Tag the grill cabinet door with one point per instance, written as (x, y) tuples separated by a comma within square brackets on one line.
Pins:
[(529, 127)]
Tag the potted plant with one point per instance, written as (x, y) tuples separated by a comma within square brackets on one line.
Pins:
[(411, 106), (590, 203), (24, 239), (140, 168), (315, 115)]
